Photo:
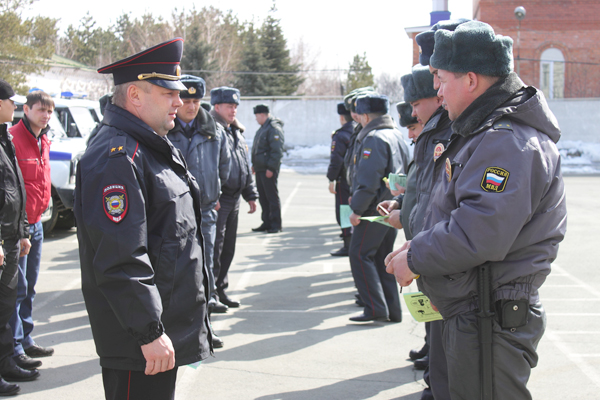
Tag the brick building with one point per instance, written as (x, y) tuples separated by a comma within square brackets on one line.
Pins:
[(556, 47)]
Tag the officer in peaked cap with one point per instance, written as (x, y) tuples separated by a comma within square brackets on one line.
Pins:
[(137, 207), (204, 147)]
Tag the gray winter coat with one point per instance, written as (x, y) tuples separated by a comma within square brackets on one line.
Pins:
[(378, 150), (436, 132), (206, 154), (499, 200)]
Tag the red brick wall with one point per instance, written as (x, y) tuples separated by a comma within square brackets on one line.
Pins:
[(572, 26)]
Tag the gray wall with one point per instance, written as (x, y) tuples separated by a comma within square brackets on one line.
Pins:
[(310, 122), (306, 122)]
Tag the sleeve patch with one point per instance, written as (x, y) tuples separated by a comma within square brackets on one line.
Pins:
[(114, 198), (332, 146), (366, 153), (494, 179)]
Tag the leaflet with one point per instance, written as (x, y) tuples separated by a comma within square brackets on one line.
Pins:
[(420, 308)]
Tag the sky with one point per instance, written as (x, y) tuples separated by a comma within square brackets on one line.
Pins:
[(334, 31)]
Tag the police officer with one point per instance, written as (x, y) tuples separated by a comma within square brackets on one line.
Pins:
[(379, 150), (267, 152), (496, 216), (336, 173), (14, 242), (239, 183), (138, 224), (205, 150)]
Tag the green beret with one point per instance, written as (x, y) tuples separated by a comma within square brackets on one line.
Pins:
[(418, 84), (473, 47), (405, 113)]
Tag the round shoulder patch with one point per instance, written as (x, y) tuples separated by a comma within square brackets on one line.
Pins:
[(438, 151), (114, 198)]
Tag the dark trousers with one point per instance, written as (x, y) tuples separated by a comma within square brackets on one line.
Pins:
[(121, 384), (427, 393), (342, 192), (268, 196), (371, 242), (438, 366), (8, 298), (227, 224)]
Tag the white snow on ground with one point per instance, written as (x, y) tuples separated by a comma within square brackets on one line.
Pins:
[(578, 158)]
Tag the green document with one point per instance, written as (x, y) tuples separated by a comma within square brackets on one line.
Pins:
[(195, 365), (394, 179), (420, 307), (379, 219), (345, 212)]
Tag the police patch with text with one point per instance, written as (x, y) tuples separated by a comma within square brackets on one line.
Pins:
[(494, 179), (114, 198)]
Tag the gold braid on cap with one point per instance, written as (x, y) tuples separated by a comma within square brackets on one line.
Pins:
[(153, 75)]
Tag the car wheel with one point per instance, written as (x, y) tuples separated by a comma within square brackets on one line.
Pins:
[(66, 220)]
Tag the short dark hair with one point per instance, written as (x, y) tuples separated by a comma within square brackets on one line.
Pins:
[(347, 117), (39, 96)]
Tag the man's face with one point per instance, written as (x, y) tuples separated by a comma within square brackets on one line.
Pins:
[(38, 116), (159, 108), (355, 117), (189, 110), (7, 110), (227, 111), (423, 109), (414, 130), (261, 118), (454, 92), (436, 79), (363, 119)]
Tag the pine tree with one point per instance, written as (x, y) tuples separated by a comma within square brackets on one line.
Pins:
[(196, 54), (359, 74), (252, 61)]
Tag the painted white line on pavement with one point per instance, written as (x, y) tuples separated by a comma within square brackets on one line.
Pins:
[(587, 369), (245, 278), (573, 314), (563, 299), (74, 283), (288, 201), (327, 268), (576, 332), (579, 282)]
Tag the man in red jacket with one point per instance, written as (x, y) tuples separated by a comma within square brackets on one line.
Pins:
[(33, 154)]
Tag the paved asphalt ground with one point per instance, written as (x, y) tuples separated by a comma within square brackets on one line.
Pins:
[(292, 339)]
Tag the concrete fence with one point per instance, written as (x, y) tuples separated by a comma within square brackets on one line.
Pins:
[(310, 121)]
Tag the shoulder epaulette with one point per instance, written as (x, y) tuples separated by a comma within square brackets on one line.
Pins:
[(503, 123), (117, 146)]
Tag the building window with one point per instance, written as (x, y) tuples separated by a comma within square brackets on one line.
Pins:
[(552, 74)]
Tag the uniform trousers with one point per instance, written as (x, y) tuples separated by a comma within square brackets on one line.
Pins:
[(371, 242), (514, 354), (29, 270), (209, 233), (227, 224), (120, 384), (342, 192), (268, 196), (438, 366), (8, 297)]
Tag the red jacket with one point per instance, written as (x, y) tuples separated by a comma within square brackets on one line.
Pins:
[(35, 166)]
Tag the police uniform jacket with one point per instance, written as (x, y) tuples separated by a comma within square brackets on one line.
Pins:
[(349, 157), (379, 149), (206, 154), (435, 134), (499, 201), (141, 251), (339, 145), (240, 179), (267, 147), (13, 218), (408, 199)]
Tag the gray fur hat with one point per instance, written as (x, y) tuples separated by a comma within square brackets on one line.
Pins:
[(426, 41), (370, 103), (405, 113), (224, 94), (418, 84), (349, 100), (473, 47)]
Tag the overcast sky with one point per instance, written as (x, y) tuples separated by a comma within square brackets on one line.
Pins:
[(332, 29)]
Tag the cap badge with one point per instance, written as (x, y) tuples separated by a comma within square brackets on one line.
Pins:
[(234, 96), (192, 90), (178, 71)]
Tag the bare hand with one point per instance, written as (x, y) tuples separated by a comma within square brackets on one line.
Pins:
[(405, 246), (159, 355), (354, 219), (252, 205), (389, 205), (25, 247), (332, 187), (401, 189), (399, 267), (394, 219), (269, 173), (218, 206), (1, 256)]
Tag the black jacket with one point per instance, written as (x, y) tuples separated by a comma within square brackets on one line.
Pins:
[(141, 252), (240, 175), (267, 148), (13, 218), (339, 145)]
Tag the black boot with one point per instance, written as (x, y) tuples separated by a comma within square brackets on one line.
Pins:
[(343, 251)]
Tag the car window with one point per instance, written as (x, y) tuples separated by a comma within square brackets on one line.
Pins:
[(56, 131), (84, 120)]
